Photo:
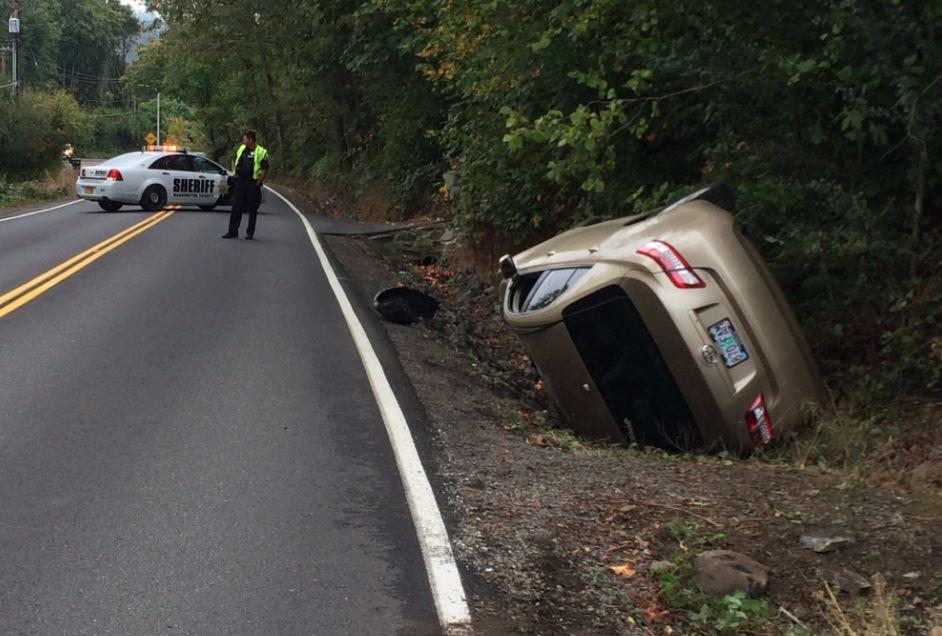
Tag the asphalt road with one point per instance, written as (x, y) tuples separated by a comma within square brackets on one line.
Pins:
[(188, 443)]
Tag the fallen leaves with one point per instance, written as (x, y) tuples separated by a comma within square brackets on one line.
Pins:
[(626, 570), (654, 613)]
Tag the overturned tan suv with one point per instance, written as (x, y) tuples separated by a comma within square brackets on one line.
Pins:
[(665, 328)]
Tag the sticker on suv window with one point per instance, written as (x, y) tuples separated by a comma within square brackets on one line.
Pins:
[(728, 342)]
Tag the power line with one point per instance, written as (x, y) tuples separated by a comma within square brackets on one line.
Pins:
[(99, 116), (114, 100), (85, 77)]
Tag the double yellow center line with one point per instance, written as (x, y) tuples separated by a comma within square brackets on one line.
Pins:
[(16, 298)]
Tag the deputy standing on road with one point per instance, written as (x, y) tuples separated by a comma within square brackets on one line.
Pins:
[(251, 168)]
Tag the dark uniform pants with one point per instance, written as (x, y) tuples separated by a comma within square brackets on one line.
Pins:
[(246, 197)]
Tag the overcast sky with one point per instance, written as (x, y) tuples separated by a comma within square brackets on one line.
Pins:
[(139, 7)]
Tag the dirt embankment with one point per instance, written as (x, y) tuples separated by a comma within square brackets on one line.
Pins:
[(559, 537)]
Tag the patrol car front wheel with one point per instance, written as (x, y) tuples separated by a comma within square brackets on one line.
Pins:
[(110, 206), (155, 197)]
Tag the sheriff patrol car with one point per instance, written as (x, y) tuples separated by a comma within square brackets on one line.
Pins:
[(154, 177)]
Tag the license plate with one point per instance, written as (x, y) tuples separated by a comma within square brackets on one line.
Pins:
[(727, 341), (89, 189)]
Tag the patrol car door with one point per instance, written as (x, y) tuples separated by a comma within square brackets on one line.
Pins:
[(214, 179), (175, 171)]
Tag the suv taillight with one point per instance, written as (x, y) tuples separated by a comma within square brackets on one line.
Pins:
[(114, 175), (758, 422), (673, 264)]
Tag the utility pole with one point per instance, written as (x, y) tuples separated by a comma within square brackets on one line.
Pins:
[(158, 119), (15, 36)]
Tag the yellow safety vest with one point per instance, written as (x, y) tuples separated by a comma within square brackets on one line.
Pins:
[(260, 155)]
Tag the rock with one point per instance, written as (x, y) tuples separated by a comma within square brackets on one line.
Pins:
[(911, 576), (659, 567), (826, 540), (404, 305), (846, 581), (722, 572)]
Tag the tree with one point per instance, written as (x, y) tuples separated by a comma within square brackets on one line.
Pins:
[(95, 35), (34, 129)]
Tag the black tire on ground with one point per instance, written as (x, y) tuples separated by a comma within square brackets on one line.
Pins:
[(154, 198), (110, 206), (211, 206)]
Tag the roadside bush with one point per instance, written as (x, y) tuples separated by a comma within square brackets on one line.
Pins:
[(53, 185), (33, 131)]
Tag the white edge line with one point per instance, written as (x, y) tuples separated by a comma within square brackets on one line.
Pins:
[(447, 590), (23, 216)]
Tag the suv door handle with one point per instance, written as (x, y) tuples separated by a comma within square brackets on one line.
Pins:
[(166, 174)]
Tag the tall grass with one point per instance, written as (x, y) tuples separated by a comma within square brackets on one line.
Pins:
[(53, 185), (875, 617)]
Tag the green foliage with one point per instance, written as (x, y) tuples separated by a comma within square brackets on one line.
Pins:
[(326, 85), (95, 34), (730, 614), (75, 45), (40, 34), (34, 130), (681, 530)]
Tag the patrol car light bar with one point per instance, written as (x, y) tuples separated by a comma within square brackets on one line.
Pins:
[(165, 149)]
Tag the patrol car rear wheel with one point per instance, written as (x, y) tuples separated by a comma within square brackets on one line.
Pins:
[(155, 197), (110, 206)]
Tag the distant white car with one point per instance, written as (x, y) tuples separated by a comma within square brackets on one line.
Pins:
[(153, 178)]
